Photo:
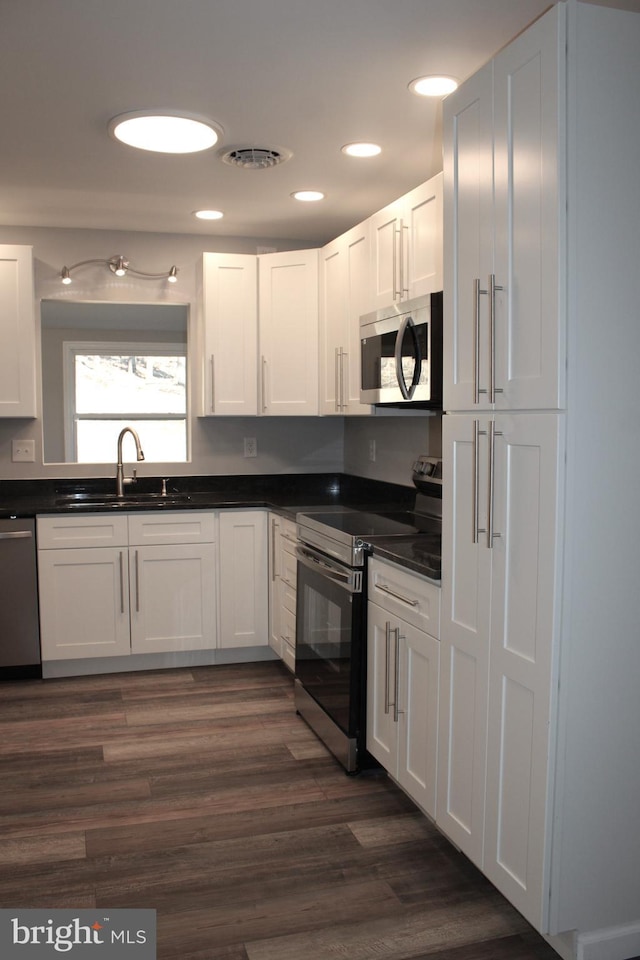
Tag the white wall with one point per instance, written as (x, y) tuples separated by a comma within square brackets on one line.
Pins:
[(285, 444), (398, 441)]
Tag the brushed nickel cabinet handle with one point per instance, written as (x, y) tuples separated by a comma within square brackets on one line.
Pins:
[(397, 596), (477, 293), (492, 287), (396, 691), (404, 253), (476, 482), (137, 584), (274, 525), (491, 534), (337, 379), (344, 385), (387, 657), (213, 393), (121, 582), (263, 384)]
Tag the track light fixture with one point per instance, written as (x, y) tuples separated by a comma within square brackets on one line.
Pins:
[(120, 266)]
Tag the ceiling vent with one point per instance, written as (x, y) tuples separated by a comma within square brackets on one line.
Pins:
[(255, 158)]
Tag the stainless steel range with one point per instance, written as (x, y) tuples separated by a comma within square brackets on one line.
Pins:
[(332, 552)]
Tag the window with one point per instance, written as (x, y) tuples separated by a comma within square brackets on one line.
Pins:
[(112, 385)]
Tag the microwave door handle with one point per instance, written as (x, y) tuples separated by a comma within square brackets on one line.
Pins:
[(398, 357), (408, 392)]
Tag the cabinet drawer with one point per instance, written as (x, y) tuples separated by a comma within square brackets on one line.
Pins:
[(288, 627), (288, 532), (178, 526), (405, 594), (89, 530)]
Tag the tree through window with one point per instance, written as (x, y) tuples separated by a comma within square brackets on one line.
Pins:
[(113, 385)]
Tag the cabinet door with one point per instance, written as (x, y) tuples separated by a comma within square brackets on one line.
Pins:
[(464, 635), (382, 682), (84, 603), (345, 295), (422, 245), (243, 579), (173, 597), (333, 323), (358, 270), (418, 715), (529, 350), (17, 333), (288, 303), (468, 240), (386, 262), (229, 335), (523, 618)]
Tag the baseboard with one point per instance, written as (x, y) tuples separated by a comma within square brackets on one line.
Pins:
[(90, 666), (610, 943)]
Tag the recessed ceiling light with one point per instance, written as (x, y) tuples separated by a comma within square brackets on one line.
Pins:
[(164, 131), (361, 149), (308, 196), (434, 86), (209, 214)]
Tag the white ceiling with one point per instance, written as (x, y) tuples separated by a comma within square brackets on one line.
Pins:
[(306, 76)]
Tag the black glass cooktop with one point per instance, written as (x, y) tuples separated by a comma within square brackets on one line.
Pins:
[(361, 524), (347, 533)]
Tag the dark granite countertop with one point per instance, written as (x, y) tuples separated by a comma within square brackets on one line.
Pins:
[(287, 494)]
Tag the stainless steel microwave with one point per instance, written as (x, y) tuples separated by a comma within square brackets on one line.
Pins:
[(401, 354)]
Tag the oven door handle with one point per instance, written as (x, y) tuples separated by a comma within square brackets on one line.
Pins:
[(351, 580)]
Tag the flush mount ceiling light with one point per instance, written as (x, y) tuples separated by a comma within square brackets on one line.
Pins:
[(362, 149), (120, 266), (433, 86), (308, 196), (165, 131), (209, 214)]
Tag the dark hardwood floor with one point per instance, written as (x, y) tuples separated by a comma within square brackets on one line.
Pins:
[(201, 794)]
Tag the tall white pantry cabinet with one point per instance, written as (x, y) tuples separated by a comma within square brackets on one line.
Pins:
[(539, 765)]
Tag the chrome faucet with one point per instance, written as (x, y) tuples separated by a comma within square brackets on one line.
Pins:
[(120, 480)]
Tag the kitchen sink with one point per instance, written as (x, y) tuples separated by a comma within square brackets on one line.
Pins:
[(101, 501)]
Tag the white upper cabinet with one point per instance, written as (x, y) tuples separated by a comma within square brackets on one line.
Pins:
[(503, 339), (228, 298), (406, 246), (288, 308), (17, 333), (344, 297), (258, 334)]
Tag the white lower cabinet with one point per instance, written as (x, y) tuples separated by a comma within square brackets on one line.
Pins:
[(402, 679), (244, 599), (282, 594), (498, 619), (111, 586), (172, 597), (84, 602)]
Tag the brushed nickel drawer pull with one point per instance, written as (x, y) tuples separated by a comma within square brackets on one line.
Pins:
[(397, 596)]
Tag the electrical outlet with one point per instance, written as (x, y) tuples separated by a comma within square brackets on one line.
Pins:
[(372, 451), (23, 451), (250, 447)]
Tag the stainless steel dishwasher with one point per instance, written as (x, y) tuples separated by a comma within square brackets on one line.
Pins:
[(19, 620)]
